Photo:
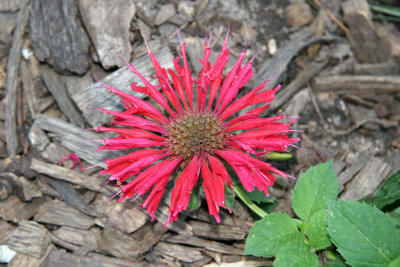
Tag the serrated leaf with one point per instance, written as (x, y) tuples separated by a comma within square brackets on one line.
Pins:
[(364, 235), (338, 262), (314, 188), (316, 230), (296, 254), (271, 233), (388, 193)]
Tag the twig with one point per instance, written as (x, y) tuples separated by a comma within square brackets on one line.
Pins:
[(315, 103), (384, 123)]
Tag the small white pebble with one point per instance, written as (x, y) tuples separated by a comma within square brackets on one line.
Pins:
[(6, 254), (272, 47), (26, 53)]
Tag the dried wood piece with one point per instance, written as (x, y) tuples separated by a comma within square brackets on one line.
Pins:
[(65, 174), (58, 37), (13, 209), (59, 91), (29, 89), (59, 213), (109, 29), (76, 236), (97, 257), (62, 258), (367, 45), (118, 244), (8, 23), (182, 253), (30, 238), (367, 180), (180, 226), (6, 230), (358, 84), (11, 5), (28, 261), (14, 59), (25, 190), (70, 196), (149, 235), (218, 231), (93, 97), (278, 64), (126, 219), (203, 243), (345, 176), (299, 82), (73, 138)]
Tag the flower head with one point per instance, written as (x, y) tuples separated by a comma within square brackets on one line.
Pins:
[(199, 135)]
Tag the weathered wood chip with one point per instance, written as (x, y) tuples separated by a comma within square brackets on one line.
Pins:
[(13, 209), (149, 235), (57, 88), (65, 174), (57, 37), (218, 231), (118, 244), (30, 238), (374, 173), (182, 253), (6, 230), (126, 219), (25, 260), (358, 84), (59, 213), (14, 59), (94, 97), (64, 259), (73, 138), (204, 243)]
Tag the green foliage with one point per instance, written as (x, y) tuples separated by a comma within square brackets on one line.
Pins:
[(364, 235), (229, 198), (271, 233), (296, 254), (315, 187), (388, 193)]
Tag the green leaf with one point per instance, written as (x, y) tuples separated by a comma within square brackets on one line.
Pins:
[(194, 201), (396, 262), (389, 10), (229, 198), (314, 188), (296, 254), (364, 235), (388, 193), (395, 214), (337, 262), (271, 233), (316, 230), (256, 195)]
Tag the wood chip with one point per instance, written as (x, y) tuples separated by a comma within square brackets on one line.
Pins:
[(126, 219), (30, 238), (374, 173), (25, 260), (59, 213), (203, 243), (182, 253), (118, 244), (14, 59), (218, 231), (149, 235), (6, 230), (358, 84), (58, 89), (94, 97), (65, 174), (13, 209), (74, 138)]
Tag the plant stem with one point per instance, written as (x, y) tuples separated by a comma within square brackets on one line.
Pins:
[(256, 209)]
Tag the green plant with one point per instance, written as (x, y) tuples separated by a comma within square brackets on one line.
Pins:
[(362, 234)]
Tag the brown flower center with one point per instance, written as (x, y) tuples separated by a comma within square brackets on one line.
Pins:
[(195, 133)]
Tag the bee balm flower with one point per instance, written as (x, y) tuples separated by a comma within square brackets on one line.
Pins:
[(198, 136)]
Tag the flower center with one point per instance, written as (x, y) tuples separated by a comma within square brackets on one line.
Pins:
[(195, 133)]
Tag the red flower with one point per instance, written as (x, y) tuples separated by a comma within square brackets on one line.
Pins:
[(196, 138)]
